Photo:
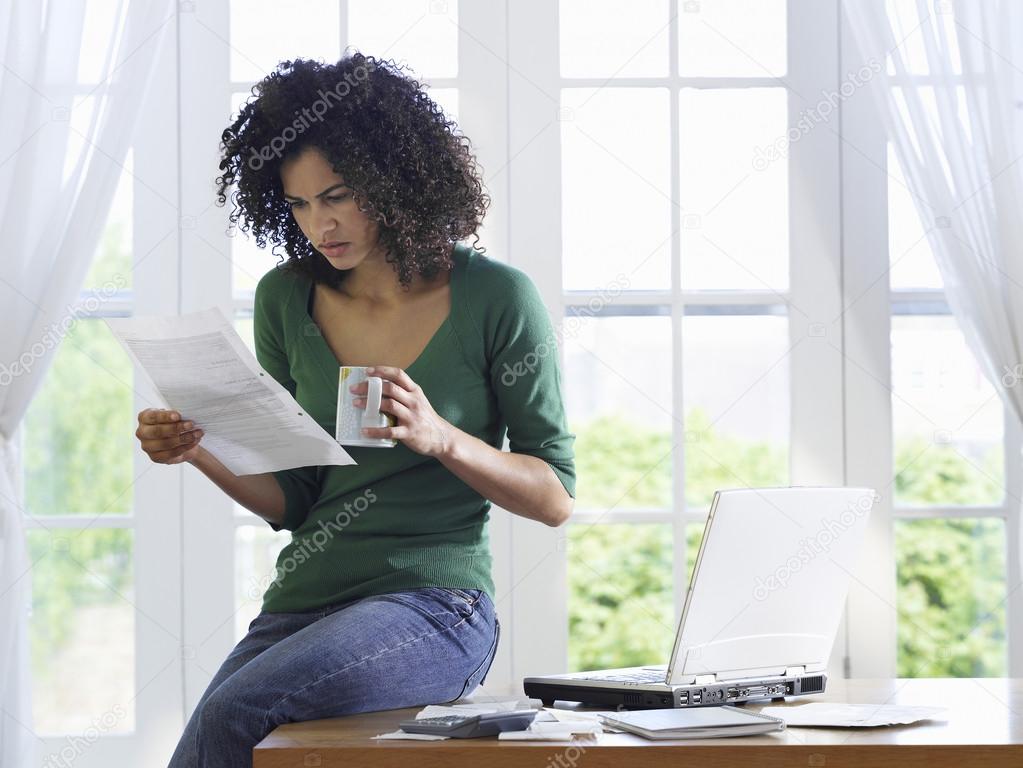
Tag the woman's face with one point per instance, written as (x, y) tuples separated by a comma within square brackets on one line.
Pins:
[(325, 210)]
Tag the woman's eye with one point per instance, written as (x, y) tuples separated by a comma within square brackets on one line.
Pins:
[(332, 198)]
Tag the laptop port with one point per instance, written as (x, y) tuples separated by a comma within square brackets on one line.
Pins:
[(697, 697), (683, 698)]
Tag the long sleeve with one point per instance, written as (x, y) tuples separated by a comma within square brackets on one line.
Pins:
[(301, 486), (522, 349)]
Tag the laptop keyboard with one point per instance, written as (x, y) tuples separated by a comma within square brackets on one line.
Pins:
[(642, 676)]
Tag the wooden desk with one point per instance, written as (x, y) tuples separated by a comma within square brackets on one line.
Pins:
[(984, 729)]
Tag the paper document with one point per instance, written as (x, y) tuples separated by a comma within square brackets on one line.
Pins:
[(694, 723), (474, 708), (823, 714), (400, 735), (202, 369)]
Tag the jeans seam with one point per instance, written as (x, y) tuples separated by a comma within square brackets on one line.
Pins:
[(493, 647), (459, 593), (270, 710)]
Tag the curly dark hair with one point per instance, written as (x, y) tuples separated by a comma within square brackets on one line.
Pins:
[(408, 166)]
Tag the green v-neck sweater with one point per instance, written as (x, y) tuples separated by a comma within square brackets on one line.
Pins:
[(397, 519)]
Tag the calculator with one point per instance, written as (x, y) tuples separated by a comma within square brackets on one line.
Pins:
[(471, 726)]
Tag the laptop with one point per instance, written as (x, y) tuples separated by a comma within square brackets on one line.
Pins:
[(761, 612)]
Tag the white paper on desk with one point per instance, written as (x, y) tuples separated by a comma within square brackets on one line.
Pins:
[(482, 708), (202, 369), (572, 716), (401, 735), (823, 714), (534, 736)]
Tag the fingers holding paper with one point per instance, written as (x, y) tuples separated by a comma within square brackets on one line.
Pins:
[(167, 438), (418, 425)]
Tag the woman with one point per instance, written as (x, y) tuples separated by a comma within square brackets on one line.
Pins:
[(384, 598)]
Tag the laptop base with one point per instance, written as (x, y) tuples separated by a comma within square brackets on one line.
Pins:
[(609, 696)]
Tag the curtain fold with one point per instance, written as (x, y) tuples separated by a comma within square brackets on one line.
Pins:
[(61, 157), (950, 94)]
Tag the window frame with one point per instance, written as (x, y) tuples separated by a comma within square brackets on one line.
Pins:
[(509, 86)]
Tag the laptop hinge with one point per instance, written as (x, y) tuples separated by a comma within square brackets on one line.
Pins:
[(705, 680), (792, 671)]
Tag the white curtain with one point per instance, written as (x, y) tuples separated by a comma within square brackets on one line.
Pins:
[(950, 92), (61, 156), (951, 96)]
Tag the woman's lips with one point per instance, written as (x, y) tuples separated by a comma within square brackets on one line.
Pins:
[(335, 250)]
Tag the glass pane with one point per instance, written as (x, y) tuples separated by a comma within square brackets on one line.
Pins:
[(102, 27), (947, 419), (616, 189), (732, 38), (255, 554), (951, 597), (618, 397), (249, 263), (735, 374), (419, 34), (621, 599), (446, 99), (608, 38), (912, 261), (112, 264), (80, 429), (734, 197), (82, 630), (306, 29), (243, 324), (911, 28)]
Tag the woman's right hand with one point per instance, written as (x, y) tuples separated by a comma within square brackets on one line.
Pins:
[(166, 438)]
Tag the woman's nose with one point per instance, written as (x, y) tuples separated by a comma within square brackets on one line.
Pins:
[(324, 223)]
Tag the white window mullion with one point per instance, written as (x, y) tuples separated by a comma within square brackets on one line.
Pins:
[(1014, 541), (483, 116), (947, 513), (815, 269), (866, 344), (539, 592), (208, 532), (677, 299), (158, 533)]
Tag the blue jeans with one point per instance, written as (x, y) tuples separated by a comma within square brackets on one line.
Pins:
[(402, 649)]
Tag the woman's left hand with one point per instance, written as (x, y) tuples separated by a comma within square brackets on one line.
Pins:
[(418, 425)]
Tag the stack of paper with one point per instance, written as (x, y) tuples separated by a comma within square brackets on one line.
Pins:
[(822, 714), (697, 723), (440, 710)]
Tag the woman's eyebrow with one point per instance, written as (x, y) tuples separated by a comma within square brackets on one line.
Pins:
[(324, 192)]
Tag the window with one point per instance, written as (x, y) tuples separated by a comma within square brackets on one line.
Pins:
[(697, 352), (80, 501), (949, 438), (675, 269)]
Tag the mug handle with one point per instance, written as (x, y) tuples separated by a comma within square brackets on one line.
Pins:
[(371, 416)]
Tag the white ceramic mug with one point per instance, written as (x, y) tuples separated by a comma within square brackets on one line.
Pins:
[(352, 420)]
